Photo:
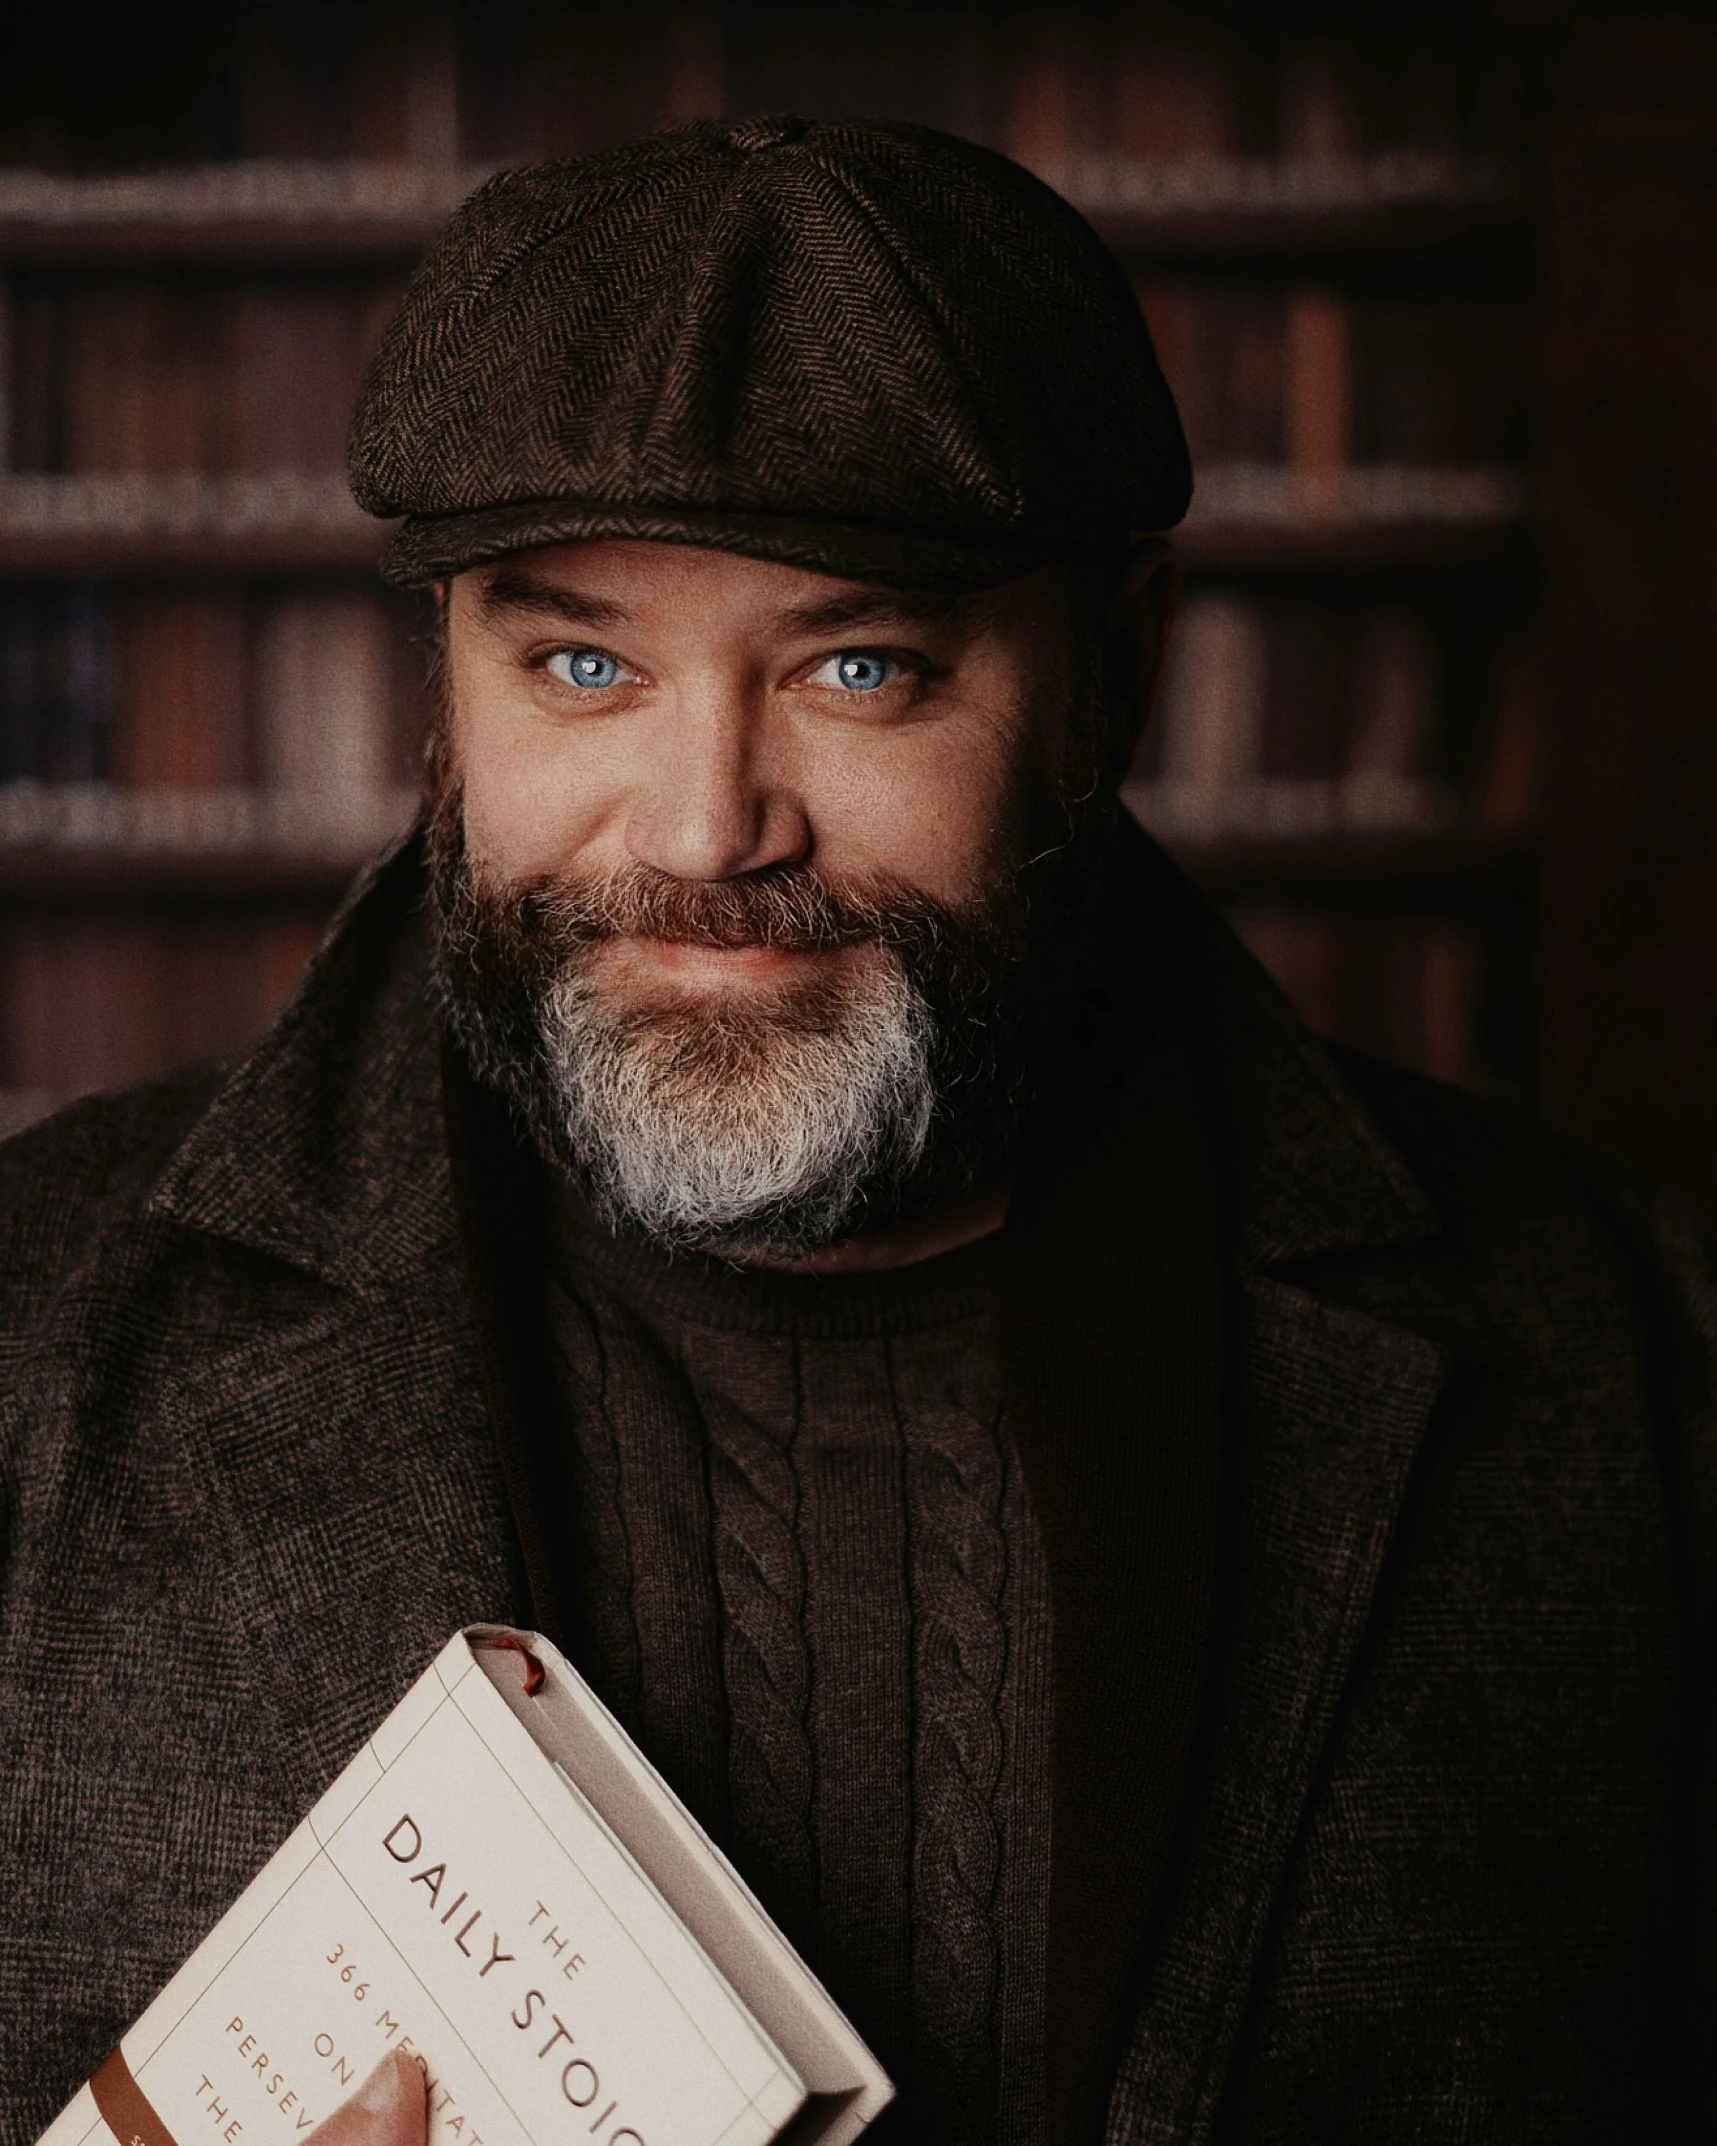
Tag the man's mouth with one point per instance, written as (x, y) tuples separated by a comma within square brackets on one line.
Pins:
[(697, 964)]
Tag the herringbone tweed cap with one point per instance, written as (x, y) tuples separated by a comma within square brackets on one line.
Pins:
[(868, 349)]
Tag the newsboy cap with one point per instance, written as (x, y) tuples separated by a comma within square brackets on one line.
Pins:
[(868, 349)]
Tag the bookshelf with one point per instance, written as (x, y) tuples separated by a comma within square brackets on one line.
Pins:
[(1336, 242)]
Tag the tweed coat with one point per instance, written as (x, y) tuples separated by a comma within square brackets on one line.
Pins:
[(1431, 1865)]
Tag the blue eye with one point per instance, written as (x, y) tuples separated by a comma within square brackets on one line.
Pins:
[(584, 667), (860, 673)]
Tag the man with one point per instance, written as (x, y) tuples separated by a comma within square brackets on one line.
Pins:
[(1176, 1565)]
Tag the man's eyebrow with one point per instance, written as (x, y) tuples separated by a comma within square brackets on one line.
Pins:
[(514, 595), (874, 607)]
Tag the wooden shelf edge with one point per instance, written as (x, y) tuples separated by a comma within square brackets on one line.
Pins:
[(337, 211), (241, 242), (50, 877), (1488, 236), (1356, 547), (1203, 548), (1359, 867), (66, 554)]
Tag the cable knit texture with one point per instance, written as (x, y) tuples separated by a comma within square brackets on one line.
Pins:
[(765, 1657), (959, 1565), (880, 1675)]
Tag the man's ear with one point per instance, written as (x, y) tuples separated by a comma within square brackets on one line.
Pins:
[(1141, 619)]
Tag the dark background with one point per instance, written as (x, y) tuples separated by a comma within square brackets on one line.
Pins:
[(1436, 288)]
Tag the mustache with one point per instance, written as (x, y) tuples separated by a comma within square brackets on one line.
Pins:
[(795, 908)]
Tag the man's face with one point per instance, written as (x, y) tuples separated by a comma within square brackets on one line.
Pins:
[(750, 840), (707, 715)]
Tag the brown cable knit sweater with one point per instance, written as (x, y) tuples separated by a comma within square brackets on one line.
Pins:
[(811, 1587)]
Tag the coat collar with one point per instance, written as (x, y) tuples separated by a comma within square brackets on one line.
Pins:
[(326, 1147), (339, 1437)]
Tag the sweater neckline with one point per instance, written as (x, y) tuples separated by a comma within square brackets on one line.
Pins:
[(706, 1291)]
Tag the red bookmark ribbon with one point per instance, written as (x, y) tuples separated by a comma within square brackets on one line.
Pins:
[(125, 2109)]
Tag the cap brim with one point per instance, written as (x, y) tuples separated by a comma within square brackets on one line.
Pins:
[(430, 547)]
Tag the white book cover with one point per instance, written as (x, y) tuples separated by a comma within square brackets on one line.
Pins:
[(501, 1884)]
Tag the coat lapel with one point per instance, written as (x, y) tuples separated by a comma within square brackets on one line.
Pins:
[(1109, 1348), (343, 1446), (1329, 1407)]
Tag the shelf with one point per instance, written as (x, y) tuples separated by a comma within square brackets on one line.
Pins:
[(298, 213), (1246, 517), (1399, 548), (1407, 206), (263, 521), (256, 213), (1359, 869), (1366, 517), (46, 878), (100, 841)]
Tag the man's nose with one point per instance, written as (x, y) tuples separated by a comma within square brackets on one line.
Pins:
[(716, 802)]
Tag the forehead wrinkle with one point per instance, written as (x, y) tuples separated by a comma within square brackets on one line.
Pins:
[(512, 594)]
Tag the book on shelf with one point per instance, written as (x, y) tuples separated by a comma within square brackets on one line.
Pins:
[(1283, 718), (1221, 348), (204, 719), (1402, 988), (56, 676), (1317, 376), (502, 1885), (179, 720), (1175, 115), (95, 1001), (322, 682), (181, 372), (1311, 404), (296, 348)]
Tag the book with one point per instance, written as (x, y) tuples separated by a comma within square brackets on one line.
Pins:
[(1221, 349), (1406, 988), (55, 682), (501, 1884), (323, 686), (1318, 390), (144, 367), (179, 718), (299, 345), (1213, 698)]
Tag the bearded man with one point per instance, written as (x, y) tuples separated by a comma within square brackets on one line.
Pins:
[(1173, 1560)]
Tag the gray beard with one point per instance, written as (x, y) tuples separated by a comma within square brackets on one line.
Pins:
[(765, 1126), (746, 1132)]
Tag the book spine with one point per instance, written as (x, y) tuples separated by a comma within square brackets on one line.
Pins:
[(323, 686), (299, 350), (1291, 716), (1318, 393), (180, 718), (1213, 703)]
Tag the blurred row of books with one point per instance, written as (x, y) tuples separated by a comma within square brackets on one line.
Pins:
[(164, 210), (1280, 716), (1407, 98), (204, 719), (92, 1000), (196, 371)]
